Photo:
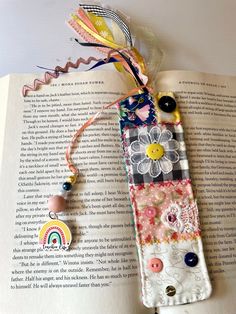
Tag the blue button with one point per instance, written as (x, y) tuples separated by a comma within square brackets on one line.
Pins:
[(191, 259)]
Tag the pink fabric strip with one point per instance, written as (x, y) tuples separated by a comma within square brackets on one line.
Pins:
[(82, 15), (87, 37), (49, 75), (72, 144)]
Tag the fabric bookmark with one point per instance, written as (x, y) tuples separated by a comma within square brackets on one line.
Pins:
[(172, 265)]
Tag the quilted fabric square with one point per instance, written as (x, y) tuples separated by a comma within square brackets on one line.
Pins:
[(178, 280), (155, 153), (137, 110), (165, 212)]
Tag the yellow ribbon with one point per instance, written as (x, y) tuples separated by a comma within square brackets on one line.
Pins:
[(140, 60), (95, 35), (110, 43), (101, 26)]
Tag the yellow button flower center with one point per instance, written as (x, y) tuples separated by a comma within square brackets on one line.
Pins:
[(155, 151)]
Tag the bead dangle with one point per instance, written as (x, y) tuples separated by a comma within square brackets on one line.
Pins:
[(55, 234)]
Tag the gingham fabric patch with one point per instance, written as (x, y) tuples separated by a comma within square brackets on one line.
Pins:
[(173, 165)]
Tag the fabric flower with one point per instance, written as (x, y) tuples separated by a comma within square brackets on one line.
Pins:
[(172, 217), (181, 217), (154, 152)]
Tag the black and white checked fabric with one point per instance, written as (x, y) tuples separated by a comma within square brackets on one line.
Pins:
[(180, 169), (108, 13)]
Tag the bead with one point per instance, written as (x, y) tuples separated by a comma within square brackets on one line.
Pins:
[(171, 217), (64, 193), (155, 151), (67, 186), (170, 291), (72, 179), (56, 204), (191, 259), (155, 265)]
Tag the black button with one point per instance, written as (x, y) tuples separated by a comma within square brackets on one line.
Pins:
[(191, 259), (167, 104)]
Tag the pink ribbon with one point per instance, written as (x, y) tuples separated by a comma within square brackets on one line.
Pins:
[(69, 149)]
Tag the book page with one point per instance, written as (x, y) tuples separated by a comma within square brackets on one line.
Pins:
[(4, 84), (100, 272), (208, 107)]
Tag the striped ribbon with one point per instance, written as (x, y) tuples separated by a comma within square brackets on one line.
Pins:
[(104, 12)]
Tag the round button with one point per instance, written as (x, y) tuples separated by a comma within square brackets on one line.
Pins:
[(155, 265), (191, 259), (170, 291), (150, 212), (167, 104), (171, 218), (155, 151)]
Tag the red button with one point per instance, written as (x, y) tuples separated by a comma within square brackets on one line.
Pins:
[(155, 265), (150, 212)]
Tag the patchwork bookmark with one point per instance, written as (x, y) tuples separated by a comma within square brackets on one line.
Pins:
[(172, 264)]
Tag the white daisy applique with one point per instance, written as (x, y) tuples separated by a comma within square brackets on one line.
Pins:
[(154, 152)]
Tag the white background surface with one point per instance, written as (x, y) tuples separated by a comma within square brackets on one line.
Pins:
[(194, 34)]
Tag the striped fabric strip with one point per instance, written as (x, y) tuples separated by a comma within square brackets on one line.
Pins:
[(104, 12)]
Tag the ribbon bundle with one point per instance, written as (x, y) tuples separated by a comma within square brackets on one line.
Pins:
[(115, 41)]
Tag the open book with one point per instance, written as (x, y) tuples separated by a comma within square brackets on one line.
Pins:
[(100, 273)]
